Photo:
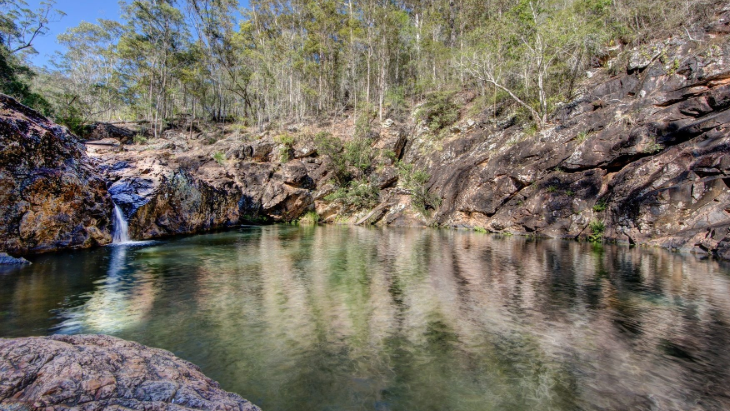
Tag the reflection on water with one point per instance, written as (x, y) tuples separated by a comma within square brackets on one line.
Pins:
[(342, 318)]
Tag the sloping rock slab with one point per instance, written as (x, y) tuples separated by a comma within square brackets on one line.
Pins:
[(94, 372)]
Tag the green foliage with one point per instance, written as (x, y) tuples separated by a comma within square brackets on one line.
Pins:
[(416, 180), (349, 160), (581, 137), (219, 157), (600, 206), (328, 61), (285, 149), (357, 194), (395, 102), (15, 79), (480, 230), (310, 218), (332, 147), (390, 155), (140, 139), (673, 67), (364, 121), (438, 111), (551, 189), (597, 228), (359, 153), (284, 154), (284, 139), (531, 129)]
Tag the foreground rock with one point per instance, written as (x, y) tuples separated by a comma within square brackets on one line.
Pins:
[(95, 372), (51, 196)]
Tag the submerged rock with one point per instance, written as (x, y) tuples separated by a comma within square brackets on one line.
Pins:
[(95, 372), (51, 196)]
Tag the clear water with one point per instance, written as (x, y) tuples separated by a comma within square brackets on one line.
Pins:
[(343, 318)]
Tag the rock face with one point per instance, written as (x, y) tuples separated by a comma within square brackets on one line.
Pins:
[(178, 186), (51, 196), (95, 372), (642, 157), (102, 131)]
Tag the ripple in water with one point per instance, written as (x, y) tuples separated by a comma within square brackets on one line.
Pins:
[(342, 318)]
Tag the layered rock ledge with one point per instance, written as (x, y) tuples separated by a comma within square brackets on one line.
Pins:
[(94, 372)]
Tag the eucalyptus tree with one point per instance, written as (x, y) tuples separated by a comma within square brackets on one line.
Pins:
[(19, 28), (292, 60), (93, 88), (152, 48)]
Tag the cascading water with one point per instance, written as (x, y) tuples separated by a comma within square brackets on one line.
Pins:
[(121, 228)]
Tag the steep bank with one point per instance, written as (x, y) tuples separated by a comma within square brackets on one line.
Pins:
[(641, 156), (95, 372), (51, 195)]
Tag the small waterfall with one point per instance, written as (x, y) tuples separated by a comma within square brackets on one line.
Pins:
[(121, 228)]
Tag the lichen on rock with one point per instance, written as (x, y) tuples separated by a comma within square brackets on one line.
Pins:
[(95, 372)]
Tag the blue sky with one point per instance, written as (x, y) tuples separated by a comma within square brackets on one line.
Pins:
[(76, 12)]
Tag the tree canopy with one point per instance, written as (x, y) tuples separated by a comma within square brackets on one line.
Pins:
[(288, 60)]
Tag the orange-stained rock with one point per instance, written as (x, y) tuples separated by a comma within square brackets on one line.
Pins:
[(51, 196)]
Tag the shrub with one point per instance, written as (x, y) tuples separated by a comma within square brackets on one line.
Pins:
[(284, 139), (284, 154), (653, 147), (219, 157), (597, 228), (581, 137), (363, 122), (600, 206), (480, 230), (415, 180), (356, 194), (439, 111), (310, 218), (140, 139), (356, 155)]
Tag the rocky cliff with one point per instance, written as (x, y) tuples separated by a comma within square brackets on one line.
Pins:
[(96, 372), (640, 156), (51, 195), (177, 186)]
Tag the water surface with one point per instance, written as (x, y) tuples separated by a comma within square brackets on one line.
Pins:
[(344, 318)]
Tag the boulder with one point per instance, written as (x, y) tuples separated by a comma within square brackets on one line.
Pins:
[(96, 372), (102, 131), (51, 196), (295, 174), (6, 259)]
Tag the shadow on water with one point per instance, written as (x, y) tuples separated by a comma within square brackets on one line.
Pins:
[(347, 318)]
